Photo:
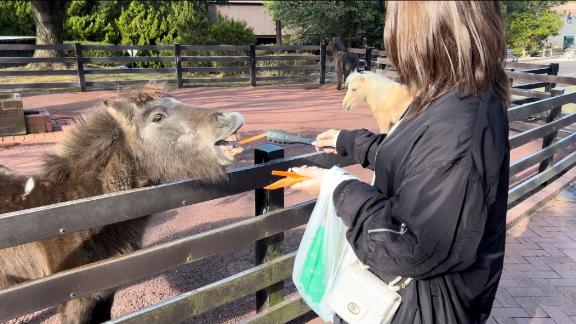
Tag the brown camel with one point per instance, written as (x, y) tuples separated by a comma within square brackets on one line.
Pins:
[(142, 139)]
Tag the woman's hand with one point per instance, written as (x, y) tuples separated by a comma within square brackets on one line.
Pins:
[(327, 141), (311, 185)]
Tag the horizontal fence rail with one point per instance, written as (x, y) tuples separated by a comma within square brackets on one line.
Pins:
[(53, 220), (198, 301), (289, 309), (533, 108), (533, 183), (541, 131), (543, 154)]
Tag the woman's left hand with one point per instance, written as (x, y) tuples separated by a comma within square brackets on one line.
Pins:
[(311, 185)]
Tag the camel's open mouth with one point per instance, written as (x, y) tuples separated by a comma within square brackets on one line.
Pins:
[(229, 148)]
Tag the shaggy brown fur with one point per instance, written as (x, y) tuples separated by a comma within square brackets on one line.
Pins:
[(142, 139)]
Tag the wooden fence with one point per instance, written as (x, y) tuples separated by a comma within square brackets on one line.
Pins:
[(247, 61), (238, 63), (265, 279)]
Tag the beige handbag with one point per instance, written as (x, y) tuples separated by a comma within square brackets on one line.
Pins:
[(359, 296)]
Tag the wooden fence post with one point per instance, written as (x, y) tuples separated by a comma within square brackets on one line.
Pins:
[(549, 139), (278, 32), (554, 67), (269, 247), (80, 66), (177, 51), (253, 65), (323, 63), (368, 58)]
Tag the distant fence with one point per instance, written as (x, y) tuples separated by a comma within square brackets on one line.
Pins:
[(247, 64), (531, 174)]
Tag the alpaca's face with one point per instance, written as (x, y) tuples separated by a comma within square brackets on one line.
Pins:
[(356, 92), (173, 140)]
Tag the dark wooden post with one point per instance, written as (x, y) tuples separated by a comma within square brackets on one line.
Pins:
[(177, 51), (253, 65), (554, 67), (269, 247), (368, 58), (278, 32), (323, 63), (80, 66), (549, 139)]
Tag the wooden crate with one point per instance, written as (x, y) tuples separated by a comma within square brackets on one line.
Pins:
[(38, 121), (12, 120)]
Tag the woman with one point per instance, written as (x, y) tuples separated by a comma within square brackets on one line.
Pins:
[(437, 209)]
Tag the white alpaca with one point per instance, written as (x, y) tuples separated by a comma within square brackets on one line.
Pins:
[(387, 99)]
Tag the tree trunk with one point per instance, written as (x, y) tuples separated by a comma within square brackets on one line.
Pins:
[(49, 18)]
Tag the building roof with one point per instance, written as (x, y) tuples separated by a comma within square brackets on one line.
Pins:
[(252, 12), (16, 37), (253, 2)]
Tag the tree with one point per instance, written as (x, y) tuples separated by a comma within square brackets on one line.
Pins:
[(146, 23), (93, 20), (316, 21), (529, 23), (49, 19), (192, 21), (16, 18), (529, 6)]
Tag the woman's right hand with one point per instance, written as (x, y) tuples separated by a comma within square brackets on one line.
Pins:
[(327, 141)]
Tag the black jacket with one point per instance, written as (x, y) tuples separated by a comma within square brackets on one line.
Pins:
[(437, 210)]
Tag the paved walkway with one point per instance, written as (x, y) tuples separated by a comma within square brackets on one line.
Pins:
[(538, 284)]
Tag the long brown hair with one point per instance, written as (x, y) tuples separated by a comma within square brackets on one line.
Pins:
[(439, 45)]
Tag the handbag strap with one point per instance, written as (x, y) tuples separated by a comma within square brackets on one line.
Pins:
[(396, 280)]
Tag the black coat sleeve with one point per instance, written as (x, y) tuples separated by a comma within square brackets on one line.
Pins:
[(433, 224), (361, 144)]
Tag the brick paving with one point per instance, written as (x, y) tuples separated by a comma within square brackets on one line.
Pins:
[(538, 284)]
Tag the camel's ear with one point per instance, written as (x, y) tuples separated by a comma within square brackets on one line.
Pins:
[(149, 92), (120, 107)]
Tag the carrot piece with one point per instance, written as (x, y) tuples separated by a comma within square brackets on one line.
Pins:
[(286, 182), (286, 174), (252, 139)]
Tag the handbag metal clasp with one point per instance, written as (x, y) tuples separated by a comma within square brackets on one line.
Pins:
[(353, 308)]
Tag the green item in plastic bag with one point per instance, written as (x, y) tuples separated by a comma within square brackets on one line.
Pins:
[(313, 277)]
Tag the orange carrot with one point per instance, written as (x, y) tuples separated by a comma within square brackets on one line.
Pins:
[(252, 139), (286, 182), (286, 174)]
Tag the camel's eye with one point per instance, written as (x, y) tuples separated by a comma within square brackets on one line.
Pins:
[(353, 89), (157, 117)]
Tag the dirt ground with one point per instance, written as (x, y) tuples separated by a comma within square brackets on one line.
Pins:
[(294, 109)]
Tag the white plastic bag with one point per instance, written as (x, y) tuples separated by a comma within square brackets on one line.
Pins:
[(322, 247)]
